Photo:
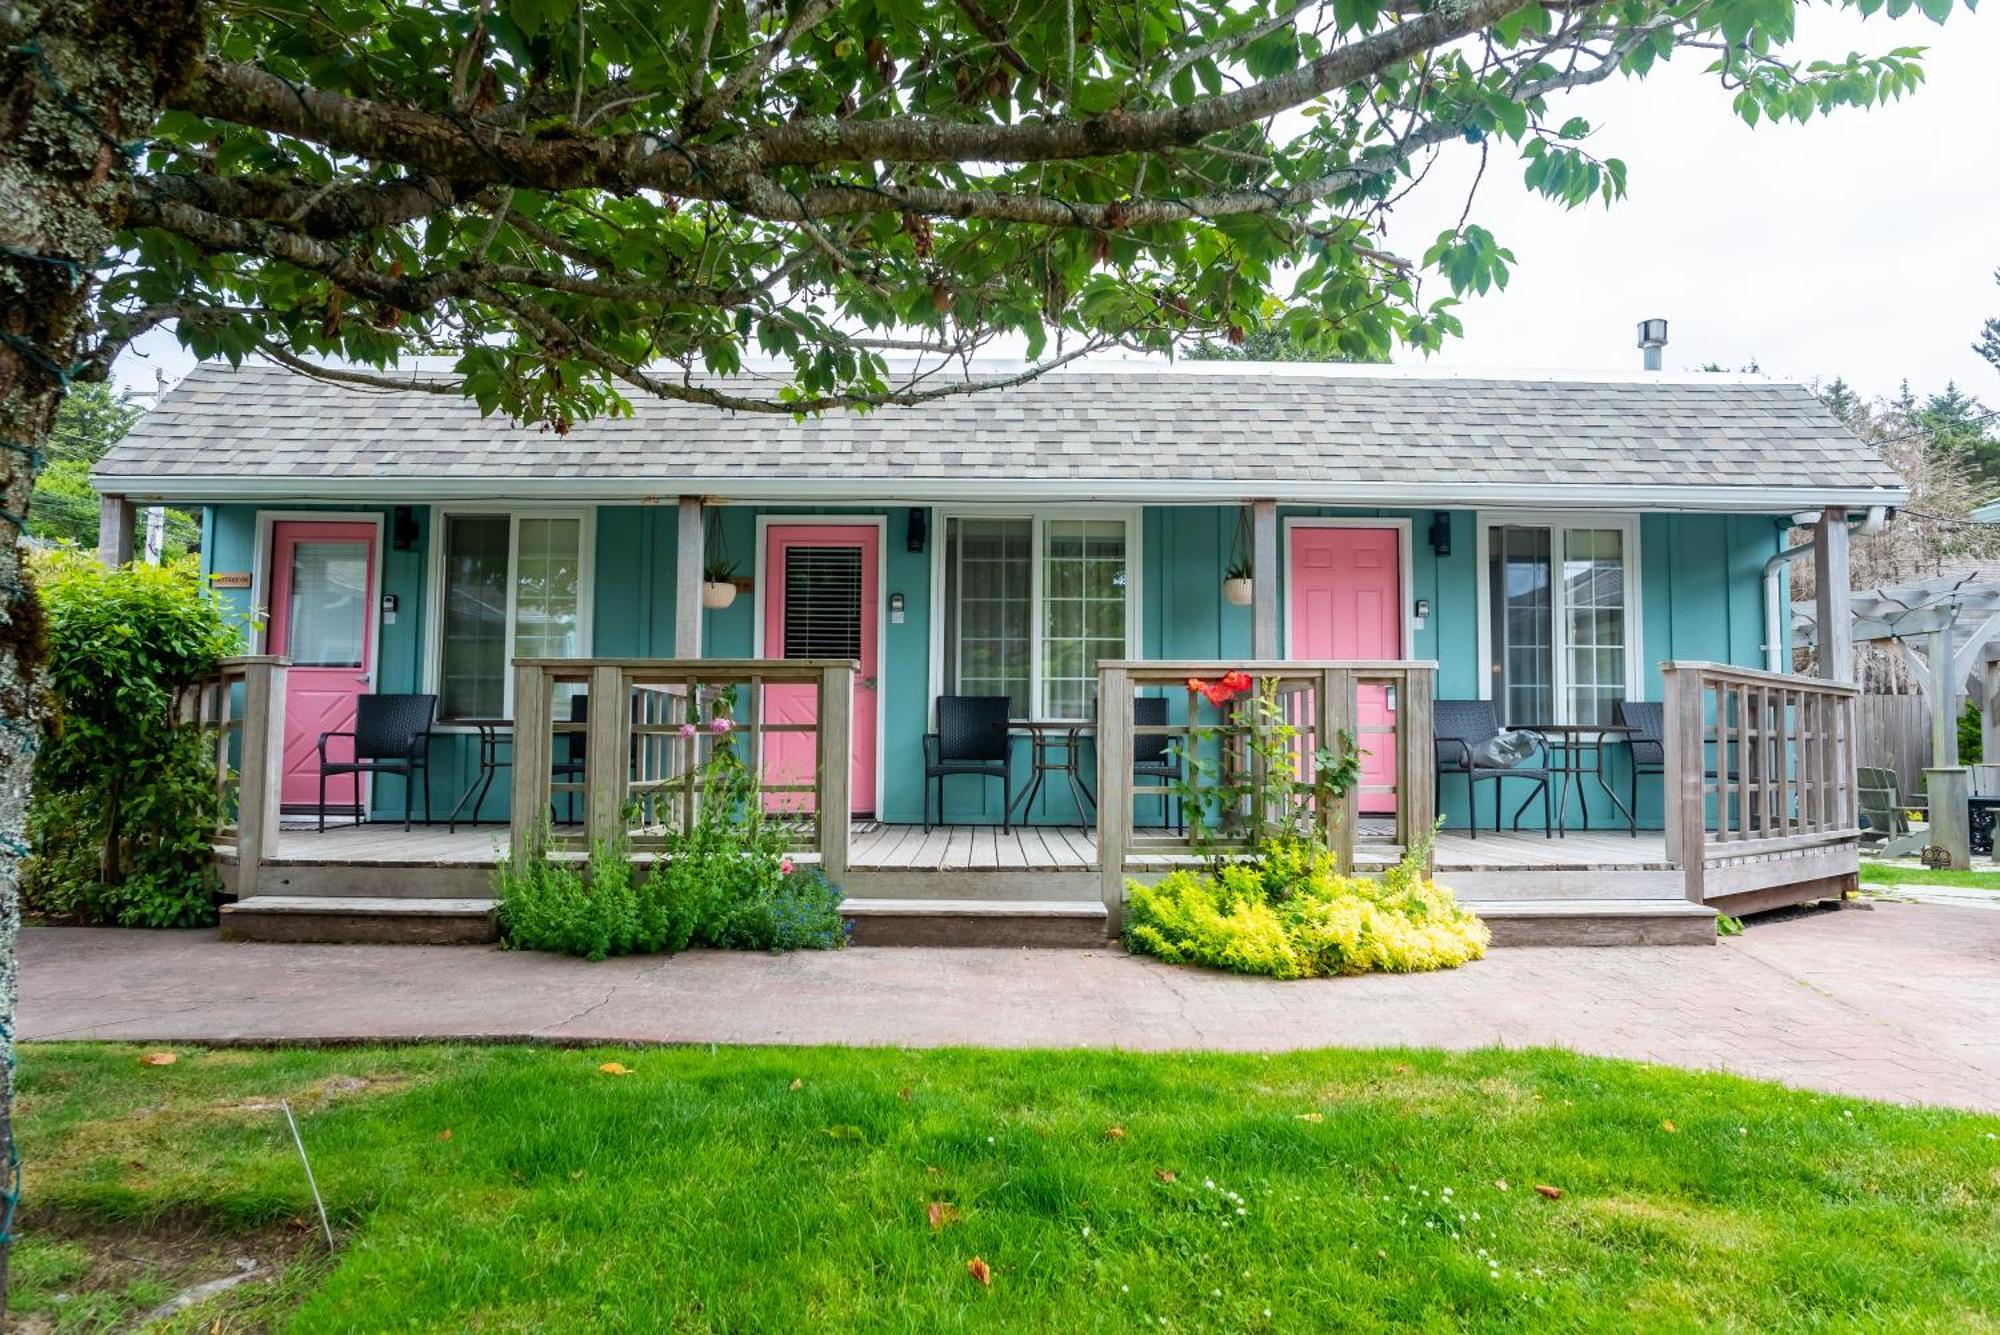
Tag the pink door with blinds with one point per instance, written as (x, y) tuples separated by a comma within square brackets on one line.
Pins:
[(323, 620), (820, 601), (1347, 602)]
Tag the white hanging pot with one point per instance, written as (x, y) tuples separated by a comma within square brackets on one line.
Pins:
[(1238, 591), (717, 594)]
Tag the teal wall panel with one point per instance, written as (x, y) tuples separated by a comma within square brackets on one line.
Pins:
[(1701, 594)]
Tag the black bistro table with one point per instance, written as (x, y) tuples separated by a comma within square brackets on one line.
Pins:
[(1576, 752), (494, 733), (1056, 748)]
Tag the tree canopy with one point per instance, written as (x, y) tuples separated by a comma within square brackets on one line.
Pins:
[(575, 199)]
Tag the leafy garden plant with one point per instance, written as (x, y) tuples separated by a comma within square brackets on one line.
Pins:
[(1285, 912), (1270, 899), (125, 802), (726, 880)]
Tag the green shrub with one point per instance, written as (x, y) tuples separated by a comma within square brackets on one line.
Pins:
[(1286, 913), (727, 881), (569, 906), (125, 800)]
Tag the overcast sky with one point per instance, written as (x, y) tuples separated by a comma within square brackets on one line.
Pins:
[(1862, 245)]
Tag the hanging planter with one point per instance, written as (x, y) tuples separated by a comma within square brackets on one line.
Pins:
[(717, 594), (1238, 583), (718, 578)]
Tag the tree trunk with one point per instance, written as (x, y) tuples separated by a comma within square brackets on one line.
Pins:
[(81, 82)]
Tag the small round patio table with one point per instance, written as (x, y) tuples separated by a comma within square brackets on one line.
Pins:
[(1576, 752), (1057, 748)]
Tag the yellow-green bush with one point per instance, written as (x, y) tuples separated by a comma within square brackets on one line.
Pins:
[(1288, 914)]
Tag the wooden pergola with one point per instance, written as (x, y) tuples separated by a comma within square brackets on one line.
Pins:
[(1947, 631)]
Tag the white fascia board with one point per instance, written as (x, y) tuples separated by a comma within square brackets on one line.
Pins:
[(182, 488)]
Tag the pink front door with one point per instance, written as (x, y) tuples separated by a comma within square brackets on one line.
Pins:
[(819, 591), (323, 620), (1347, 602)]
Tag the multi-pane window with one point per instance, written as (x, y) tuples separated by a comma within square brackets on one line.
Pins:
[(1031, 606), (1558, 624), (1083, 610), (989, 581), (512, 587)]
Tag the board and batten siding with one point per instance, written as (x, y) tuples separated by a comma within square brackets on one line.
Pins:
[(1701, 598)]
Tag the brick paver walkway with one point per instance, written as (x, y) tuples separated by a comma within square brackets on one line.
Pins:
[(1901, 1002)]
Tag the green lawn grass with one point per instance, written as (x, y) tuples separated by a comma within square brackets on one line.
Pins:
[(1887, 873), (737, 1189)]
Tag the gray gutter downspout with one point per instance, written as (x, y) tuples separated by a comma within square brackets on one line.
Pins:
[(1777, 635), (1777, 628)]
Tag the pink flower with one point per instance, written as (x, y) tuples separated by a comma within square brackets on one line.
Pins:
[(785, 866), (720, 723), (688, 730)]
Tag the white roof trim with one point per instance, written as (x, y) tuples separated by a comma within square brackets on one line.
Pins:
[(926, 491)]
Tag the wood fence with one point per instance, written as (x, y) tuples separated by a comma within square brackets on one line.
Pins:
[(1761, 800), (651, 731), (241, 705), (1893, 732), (1319, 701)]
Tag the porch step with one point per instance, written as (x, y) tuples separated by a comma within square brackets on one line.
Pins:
[(360, 920), (976, 922), (414, 879), (1597, 922)]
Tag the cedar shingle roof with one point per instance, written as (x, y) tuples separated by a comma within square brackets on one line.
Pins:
[(1126, 432)]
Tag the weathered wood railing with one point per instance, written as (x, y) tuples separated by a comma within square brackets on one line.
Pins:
[(1761, 803), (241, 705), (1320, 701), (650, 730)]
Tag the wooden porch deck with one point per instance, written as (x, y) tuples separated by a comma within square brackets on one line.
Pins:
[(876, 846)]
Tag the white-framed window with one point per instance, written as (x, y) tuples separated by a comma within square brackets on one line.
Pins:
[(1028, 605), (505, 584), (1559, 623)]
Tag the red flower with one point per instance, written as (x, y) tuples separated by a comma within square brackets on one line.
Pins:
[(1220, 693)]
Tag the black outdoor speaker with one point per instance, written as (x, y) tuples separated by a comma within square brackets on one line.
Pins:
[(920, 527)]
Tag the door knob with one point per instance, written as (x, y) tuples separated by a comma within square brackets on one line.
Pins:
[(868, 683)]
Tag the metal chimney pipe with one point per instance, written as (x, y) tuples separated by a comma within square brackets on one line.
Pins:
[(1652, 338)]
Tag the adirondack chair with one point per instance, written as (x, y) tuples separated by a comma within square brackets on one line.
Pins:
[(1882, 807)]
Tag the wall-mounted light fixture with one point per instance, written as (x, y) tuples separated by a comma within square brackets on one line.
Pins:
[(403, 527), (1440, 533), (920, 528)]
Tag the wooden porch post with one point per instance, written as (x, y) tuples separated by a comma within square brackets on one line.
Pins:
[(532, 750), (833, 800), (608, 762), (1832, 593), (1264, 587), (690, 555), (117, 519), (260, 769), (1114, 792)]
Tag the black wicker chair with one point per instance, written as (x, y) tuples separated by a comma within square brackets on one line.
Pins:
[(392, 735), (1648, 741), (1153, 756), (570, 769), (1461, 728), (972, 738)]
